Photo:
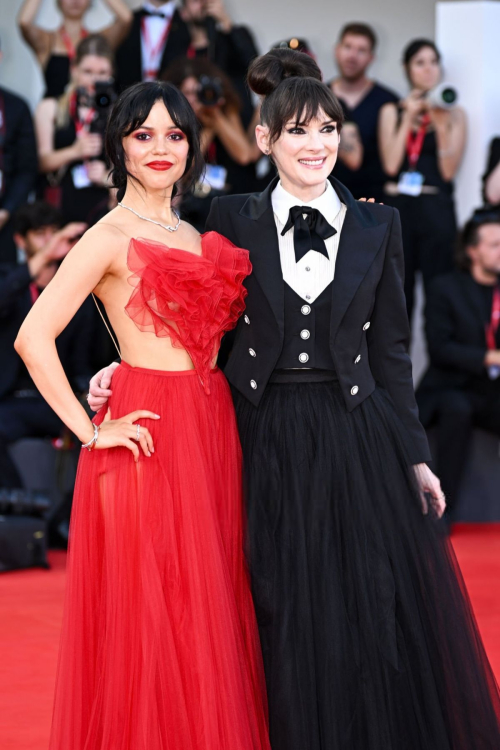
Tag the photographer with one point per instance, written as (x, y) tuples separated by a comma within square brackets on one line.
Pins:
[(18, 164), (55, 50), (23, 412), (70, 133), (421, 145), (461, 388), (161, 33), (226, 146)]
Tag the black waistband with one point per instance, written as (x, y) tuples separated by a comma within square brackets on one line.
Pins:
[(303, 376)]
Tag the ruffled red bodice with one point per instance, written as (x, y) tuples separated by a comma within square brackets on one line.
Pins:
[(192, 299)]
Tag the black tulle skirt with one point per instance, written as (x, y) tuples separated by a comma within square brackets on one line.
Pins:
[(368, 635)]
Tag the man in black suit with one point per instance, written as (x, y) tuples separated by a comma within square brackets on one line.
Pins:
[(461, 388), (18, 165), (161, 32), (23, 412)]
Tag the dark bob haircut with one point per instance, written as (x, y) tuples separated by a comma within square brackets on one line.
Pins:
[(129, 112), (293, 90), (37, 215), (414, 47), (470, 236)]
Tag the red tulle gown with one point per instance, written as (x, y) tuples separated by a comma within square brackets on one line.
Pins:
[(160, 648)]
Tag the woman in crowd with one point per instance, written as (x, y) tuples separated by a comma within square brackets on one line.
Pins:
[(367, 634), (228, 150), (491, 178), (70, 152), (421, 147), (56, 50), (160, 647)]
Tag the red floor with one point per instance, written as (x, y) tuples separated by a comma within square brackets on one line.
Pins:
[(31, 610)]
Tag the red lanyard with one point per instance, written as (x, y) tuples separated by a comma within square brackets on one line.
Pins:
[(70, 47), (415, 142), (153, 52), (35, 292), (492, 326), (3, 133), (80, 124)]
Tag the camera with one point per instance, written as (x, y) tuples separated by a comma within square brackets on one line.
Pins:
[(443, 96), (209, 91), (100, 101)]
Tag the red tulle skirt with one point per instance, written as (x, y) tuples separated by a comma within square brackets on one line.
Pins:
[(159, 648)]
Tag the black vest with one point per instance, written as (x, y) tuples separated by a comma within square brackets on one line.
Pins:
[(307, 332)]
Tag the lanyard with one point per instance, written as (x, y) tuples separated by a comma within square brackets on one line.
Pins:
[(415, 142), (80, 124), (492, 326), (66, 39), (3, 133), (153, 52)]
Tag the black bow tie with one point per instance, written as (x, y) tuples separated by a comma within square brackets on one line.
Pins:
[(157, 13), (309, 233)]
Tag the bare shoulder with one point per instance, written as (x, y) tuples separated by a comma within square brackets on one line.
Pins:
[(104, 238), (46, 109)]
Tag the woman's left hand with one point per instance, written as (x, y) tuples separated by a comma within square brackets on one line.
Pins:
[(429, 484)]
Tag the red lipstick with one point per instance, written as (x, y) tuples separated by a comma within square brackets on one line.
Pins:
[(160, 166)]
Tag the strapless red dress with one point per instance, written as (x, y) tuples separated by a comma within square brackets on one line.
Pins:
[(160, 649)]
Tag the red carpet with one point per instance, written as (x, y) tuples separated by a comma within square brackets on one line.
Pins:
[(31, 610)]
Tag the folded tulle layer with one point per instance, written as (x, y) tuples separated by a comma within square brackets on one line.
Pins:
[(160, 648), (368, 636)]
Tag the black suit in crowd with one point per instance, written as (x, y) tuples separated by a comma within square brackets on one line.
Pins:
[(456, 392), (369, 330), (18, 164), (232, 52), (23, 411), (493, 160)]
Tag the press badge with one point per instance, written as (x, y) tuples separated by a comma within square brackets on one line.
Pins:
[(215, 176), (80, 176), (410, 183)]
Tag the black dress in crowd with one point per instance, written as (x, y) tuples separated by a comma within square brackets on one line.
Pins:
[(367, 181), (368, 637), (428, 222), (77, 204)]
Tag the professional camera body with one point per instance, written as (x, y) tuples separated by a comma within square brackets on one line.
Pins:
[(100, 101), (210, 91)]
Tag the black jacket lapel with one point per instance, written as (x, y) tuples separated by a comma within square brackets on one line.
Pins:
[(360, 240), (262, 236)]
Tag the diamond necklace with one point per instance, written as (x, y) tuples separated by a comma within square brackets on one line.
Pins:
[(163, 226)]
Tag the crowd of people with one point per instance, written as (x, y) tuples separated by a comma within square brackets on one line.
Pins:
[(401, 150)]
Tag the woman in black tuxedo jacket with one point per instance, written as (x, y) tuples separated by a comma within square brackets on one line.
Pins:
[(368, 638)]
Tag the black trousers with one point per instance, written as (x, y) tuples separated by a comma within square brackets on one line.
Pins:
[(457, 413), (429, 234), (23, 418)]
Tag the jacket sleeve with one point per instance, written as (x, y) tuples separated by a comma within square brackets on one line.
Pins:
[(12, 284), (440, 327), (242, 49), (25, 162), (388, 341), (213, 219)]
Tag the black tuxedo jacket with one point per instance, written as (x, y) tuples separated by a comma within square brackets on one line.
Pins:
[(367, 289), (456, 339), (129, 55), (73, 344)]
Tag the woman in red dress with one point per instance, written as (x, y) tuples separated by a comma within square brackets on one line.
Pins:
[(159, 647)]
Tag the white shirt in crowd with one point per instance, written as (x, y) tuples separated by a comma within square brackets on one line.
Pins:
[(313, 273), (152, 51)]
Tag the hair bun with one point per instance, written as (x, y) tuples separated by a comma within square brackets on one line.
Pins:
[(268, 71)]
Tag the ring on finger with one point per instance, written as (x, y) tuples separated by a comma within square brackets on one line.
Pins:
[(138, 433)]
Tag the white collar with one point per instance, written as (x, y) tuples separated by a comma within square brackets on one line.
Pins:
[(328, 203), (168, 8)]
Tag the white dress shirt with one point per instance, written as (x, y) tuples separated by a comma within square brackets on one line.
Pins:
[(155, 27), (314, 272)]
